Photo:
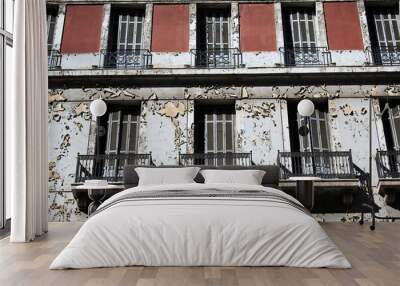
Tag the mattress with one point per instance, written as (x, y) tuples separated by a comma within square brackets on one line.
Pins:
[(201, 225)]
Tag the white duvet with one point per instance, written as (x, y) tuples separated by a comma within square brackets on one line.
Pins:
[(200, 231)]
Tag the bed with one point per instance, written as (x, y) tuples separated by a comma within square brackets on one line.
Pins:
[(201, 224)]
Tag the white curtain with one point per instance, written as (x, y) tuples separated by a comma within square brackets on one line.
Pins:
[(26, 123)]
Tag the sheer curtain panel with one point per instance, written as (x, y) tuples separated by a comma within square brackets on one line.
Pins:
[(26, 122)]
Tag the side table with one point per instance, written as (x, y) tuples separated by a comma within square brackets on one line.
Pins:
[(96, 195), (305, 190)]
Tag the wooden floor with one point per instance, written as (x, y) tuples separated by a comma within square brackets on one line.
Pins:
[(375, 257)]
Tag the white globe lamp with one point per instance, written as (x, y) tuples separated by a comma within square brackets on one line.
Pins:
[(98, 107), (305, 108)]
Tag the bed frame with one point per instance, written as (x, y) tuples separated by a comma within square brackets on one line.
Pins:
[(270, 179)]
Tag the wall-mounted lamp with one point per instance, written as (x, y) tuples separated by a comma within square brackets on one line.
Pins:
[(98, 108), (306, 108)]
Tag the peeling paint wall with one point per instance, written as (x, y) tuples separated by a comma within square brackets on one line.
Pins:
[(164, 130), (349, 128), (260, 129), (69, 124), (167, 126)]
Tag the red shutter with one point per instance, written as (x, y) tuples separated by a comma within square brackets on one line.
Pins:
[(170, 28), (343, 26), (257, 27), (82, 29)]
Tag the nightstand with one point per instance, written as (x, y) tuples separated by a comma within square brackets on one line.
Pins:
[(97, 194), (305, 190)]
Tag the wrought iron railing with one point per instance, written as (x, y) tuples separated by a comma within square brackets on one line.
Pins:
[(305, 56), (217, 58), (327, 165), (107, 166), (383, 55), (216, 159), (54, 59), (388, 163), (126, 59)]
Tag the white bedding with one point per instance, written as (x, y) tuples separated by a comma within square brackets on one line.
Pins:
[(203, 231)]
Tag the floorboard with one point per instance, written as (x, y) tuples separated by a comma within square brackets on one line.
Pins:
[(375, 257)]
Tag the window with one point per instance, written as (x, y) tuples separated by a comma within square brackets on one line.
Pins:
[(6, 44), (126, 38), (318, 132), (318, 135), (384, 28), (300, 39), (122, 131), (130, 29), (394, 119), (386, 25), (215, 129), (51, 24), (213, 26), (300, 26), (54, 56)]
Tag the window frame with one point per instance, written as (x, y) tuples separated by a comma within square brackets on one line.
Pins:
[(6, 40), (211, 17), (289, 27), (119, 121), (395, 132), (51, 26), (215, 121), (318, 117), (383, 19), (134, 44)]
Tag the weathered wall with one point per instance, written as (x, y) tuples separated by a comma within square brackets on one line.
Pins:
[(164, 130), (167, 120), (261, 128), (69, 124), (82, 29)]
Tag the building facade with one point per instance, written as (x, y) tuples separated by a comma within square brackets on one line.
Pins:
[(184, 77)]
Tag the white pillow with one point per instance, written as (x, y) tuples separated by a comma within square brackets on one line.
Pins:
[(166, 176), (248, 177)]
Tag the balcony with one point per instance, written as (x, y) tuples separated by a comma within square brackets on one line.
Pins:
[(54, 59), (216, 159), (305, 56), (108, 167), (126, 59), (388, 164), (217, 58), (326, 165), (383, 55)]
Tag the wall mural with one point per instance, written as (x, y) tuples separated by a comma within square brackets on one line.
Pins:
[(167, 127)]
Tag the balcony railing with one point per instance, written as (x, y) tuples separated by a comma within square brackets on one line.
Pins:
[(54, 59), (217, 58), (388, 163), (108, 167), (216, 159), (383, 55), (326, 165), (305, 56), (126, 59)]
